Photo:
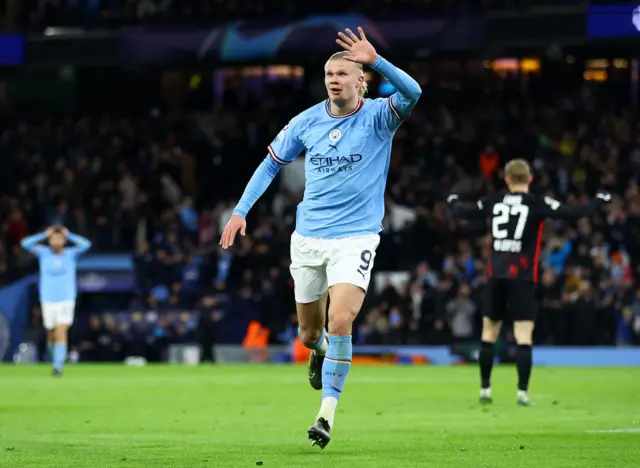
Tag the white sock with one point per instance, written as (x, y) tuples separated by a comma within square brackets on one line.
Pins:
[(522, 394), (328, 410), (485, 392), (322, 350)]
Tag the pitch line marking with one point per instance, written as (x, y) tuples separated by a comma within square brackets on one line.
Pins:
[(630, 430)]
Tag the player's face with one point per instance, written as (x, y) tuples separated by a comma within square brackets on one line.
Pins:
[(56, 241), (343, 80)]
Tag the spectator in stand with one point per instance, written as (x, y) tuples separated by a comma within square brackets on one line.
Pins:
[(115, 12), (489, 163)]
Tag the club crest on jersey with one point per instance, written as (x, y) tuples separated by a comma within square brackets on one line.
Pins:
[(335, 135)]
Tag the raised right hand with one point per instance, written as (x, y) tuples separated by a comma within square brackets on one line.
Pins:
[(235, 224)]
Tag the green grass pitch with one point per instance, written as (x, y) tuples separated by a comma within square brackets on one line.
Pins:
[(254, 415)]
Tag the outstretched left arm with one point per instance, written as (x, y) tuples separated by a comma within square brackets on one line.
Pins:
[(409, 90), (362, 51)]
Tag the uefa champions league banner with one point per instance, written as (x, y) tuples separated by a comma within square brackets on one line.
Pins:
[(315, 35), (106, 282), (614, 21)]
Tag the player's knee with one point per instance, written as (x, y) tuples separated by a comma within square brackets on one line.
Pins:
[(489, 336), (346, 301), (523, 332), (490, 330), (340, 322), (310, 335), (340, 325), (60, 333)]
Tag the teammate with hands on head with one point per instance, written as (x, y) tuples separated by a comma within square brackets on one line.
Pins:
[(58, 288), (517, 220), (347, 140)]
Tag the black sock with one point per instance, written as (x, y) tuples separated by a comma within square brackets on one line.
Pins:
[(486, 363), (523, 361)]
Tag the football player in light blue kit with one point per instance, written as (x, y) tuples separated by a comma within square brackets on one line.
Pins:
[(347, 140), (58, 287)]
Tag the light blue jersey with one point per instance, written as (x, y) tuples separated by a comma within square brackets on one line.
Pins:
[(57, 270), (346, 161)]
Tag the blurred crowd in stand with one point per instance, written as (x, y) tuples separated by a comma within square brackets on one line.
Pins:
[(135, 186), (41, 13), (162, 186)]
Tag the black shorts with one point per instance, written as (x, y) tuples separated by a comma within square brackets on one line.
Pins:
[(510, 299)]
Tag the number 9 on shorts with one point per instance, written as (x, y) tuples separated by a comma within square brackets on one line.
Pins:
[(318, 264)]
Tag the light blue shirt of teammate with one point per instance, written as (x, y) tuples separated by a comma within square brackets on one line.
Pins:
[(346, 162), (57, 270)]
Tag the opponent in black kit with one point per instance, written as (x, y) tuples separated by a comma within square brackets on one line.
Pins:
[(517, 219)]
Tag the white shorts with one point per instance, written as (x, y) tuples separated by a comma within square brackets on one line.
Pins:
[(318, 264), (57, 313)]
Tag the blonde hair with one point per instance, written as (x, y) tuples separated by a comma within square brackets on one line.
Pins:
[(340, 56), (518, 171)]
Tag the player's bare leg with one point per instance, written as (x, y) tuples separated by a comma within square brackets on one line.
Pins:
[(312, 333), (60, 334), (523, 331), (346, 301), (490, 332), (50, 342)]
